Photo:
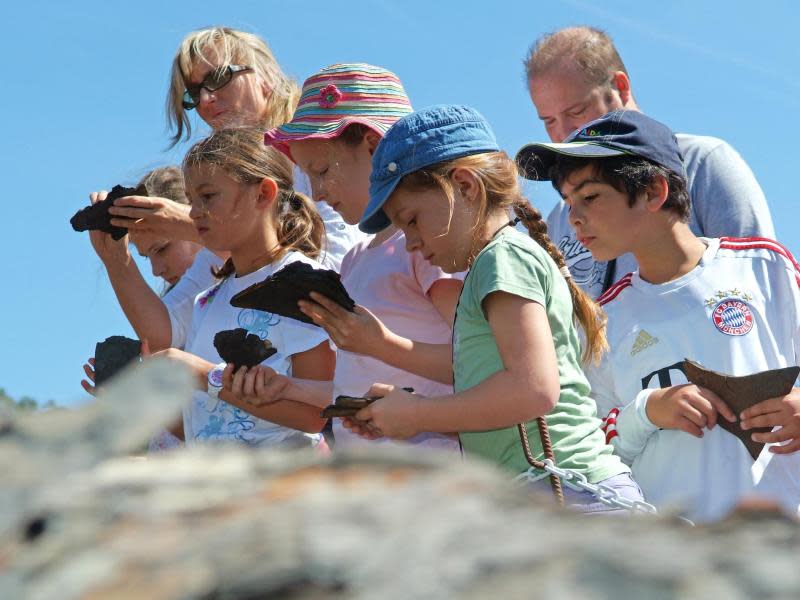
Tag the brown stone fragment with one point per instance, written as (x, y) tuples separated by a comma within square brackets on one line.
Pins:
[(346, 406), (743, 392)]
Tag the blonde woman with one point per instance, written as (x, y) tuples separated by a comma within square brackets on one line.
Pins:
[(231, 78)]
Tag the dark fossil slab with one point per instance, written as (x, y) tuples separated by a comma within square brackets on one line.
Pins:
[(242, 349), (112, 355), (743, 392), (97, 217), (279, 293)]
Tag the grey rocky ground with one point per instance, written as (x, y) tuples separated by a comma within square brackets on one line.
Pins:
[(81, 518)]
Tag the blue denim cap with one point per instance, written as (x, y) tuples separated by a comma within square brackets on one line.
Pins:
[(619, 133), (420, 139)]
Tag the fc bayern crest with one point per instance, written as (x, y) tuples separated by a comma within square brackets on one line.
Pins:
[(732, 317)]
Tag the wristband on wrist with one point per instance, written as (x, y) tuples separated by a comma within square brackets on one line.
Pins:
[(215, 380)]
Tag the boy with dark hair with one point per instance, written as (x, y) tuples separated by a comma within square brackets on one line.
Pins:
[(731, 304)]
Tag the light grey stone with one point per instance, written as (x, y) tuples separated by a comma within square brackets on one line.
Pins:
[(235, 523)]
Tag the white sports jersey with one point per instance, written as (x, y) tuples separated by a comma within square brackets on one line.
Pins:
[(214, 419), (737, 312)]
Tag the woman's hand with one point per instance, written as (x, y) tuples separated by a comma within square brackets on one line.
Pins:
[(256, 385), (783, 412), (359, 331), (687, 407), (109, 250), (155, 216), (395, 414)]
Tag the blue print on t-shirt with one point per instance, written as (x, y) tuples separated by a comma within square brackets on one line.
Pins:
[(257, 321), (228, 423)]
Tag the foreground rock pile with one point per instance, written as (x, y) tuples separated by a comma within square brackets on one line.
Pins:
[(82, 519)]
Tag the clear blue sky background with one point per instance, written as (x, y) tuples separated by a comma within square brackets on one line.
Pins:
[(85, 82)]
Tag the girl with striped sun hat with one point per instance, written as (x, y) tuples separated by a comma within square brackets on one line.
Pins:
[(343, 113)]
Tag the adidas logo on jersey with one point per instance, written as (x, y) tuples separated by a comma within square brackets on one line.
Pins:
[(643, 341)]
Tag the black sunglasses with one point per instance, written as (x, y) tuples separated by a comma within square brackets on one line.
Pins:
[(216, 79)]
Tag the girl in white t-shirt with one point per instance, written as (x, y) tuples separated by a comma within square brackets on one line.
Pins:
[(242, 203), (344, 111)]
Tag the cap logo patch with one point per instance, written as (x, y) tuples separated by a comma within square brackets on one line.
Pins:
[(732, 317), (591, 132)]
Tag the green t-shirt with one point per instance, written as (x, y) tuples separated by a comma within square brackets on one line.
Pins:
[(514, 263)]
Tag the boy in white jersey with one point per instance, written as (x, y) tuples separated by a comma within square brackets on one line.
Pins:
[(731, 304)]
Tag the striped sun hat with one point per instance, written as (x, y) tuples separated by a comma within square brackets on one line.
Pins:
[(341, 95)]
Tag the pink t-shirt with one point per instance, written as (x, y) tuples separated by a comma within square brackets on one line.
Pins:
[(393, 285)]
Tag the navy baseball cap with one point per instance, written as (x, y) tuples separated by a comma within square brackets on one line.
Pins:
[(420, 139), (619, 133)]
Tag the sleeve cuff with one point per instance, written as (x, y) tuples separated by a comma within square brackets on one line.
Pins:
[(633, 428)]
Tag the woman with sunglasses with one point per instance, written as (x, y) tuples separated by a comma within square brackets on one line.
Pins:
[(231, 79)]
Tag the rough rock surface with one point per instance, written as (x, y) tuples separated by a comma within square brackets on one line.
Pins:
[(226, 522)]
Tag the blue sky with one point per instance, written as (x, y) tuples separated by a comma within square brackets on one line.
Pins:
[(85, 85)]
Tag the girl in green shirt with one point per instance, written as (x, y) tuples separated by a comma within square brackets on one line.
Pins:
[(439, 175)]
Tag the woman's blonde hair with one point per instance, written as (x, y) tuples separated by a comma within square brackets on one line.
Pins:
[(497, 178), (242, 155), (166, 182), (232, 47)]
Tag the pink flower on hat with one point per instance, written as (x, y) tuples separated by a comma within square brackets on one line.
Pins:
[(329, 96)]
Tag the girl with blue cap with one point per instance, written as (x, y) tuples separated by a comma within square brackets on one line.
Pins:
[(440, 177)]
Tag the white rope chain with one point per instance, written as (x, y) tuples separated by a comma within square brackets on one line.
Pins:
[(577, 481)]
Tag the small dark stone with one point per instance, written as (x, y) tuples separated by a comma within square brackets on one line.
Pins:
[(242, 349), (112, 355), (279, 293), (97, 217), (34, 528)]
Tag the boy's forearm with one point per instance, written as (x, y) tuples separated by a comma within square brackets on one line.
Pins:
[(628, 428)]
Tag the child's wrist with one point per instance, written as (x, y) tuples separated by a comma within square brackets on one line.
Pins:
[(645, 405)]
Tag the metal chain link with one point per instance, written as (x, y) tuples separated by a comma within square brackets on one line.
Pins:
[(604, 493)]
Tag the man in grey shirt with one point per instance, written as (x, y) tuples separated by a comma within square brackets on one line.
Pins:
[(574, 76)]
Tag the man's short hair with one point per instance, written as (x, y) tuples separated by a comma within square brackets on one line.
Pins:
[(589, 48)]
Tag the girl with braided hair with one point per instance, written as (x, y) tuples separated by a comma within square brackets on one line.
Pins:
[(440, 177)]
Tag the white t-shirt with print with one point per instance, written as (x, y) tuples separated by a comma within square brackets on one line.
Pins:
[(215, 419), (737, 312)]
